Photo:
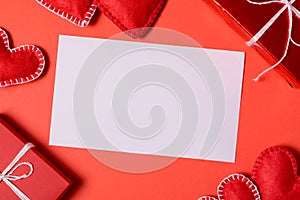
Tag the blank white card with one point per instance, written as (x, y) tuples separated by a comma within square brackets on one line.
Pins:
[(147, 98)]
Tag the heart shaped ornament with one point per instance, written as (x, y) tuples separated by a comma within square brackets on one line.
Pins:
[(77, 12), (235, 187), (126, 14), (275, 173), (132, 14), (19, 65)]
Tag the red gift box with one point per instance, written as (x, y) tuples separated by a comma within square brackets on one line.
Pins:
[(24, 172), (248, 19)]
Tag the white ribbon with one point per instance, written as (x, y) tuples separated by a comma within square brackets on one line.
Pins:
[(7, 175), (287, 5)]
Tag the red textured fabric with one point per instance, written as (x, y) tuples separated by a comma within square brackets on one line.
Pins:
[(132, 14), (126, 14), (275, 173), (77, 12), (235, 187), (19, 65)]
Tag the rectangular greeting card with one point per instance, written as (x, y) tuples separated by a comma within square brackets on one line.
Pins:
[(147, 98)]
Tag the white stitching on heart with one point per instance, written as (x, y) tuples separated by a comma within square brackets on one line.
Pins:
[(241, 178), (233, 177), (29, 48), (82, 23), (207, 198)]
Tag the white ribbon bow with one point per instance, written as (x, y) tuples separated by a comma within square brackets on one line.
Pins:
[(6, 176), (287, 5)]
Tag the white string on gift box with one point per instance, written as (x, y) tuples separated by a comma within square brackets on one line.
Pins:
[(6, 176), (291, 10)]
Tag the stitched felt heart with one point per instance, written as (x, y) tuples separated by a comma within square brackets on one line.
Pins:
[(132, 14), (19, 65), (235, 187), (275, 173), (127, 14), (77, 12)]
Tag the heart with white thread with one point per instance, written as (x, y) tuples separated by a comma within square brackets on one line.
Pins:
[(235, 187), (126, 14), (275, 174), (19, 65), (77, 12)]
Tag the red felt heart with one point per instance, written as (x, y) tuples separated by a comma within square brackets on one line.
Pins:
[(127, 14), (235, 187), (77, 12), (275, 173), (132, 14), (19, 65)]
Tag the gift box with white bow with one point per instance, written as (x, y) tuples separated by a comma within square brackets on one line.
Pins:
[(24, 172), (272, 26)]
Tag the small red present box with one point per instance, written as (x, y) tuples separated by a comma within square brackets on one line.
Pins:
[(24, 172), (248, 19)]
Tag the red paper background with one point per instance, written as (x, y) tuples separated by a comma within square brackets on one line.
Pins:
[(269, 110)]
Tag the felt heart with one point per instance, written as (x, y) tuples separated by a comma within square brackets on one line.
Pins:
[(235, 187), (132, 14), (77, 12), (275, 173), (19, 65), (127, 14)]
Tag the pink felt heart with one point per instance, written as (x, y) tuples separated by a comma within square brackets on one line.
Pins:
[(132, 14), (77, 12), (19, 65), (235, 187), (275, 173)]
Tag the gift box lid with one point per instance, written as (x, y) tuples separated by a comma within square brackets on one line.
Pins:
[(248, 19), (46, 181)]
